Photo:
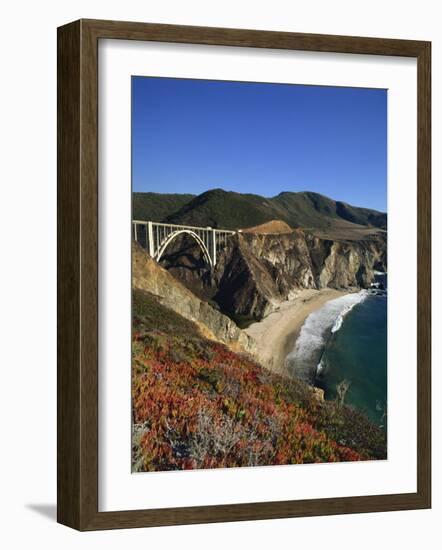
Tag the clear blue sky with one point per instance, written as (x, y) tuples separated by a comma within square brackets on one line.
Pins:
[(189, 136)]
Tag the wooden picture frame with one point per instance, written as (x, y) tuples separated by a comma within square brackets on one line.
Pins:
[(78, 274)]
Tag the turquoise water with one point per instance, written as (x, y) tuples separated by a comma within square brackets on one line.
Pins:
[(346, 340), (358, 353)]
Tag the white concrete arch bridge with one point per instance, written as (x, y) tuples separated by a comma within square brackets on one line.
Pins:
[(155, 238)]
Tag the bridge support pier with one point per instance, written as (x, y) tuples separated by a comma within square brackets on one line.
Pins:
[(213, 248), (149, 238)]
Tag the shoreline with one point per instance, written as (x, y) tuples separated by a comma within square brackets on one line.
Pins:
[(276, 334)]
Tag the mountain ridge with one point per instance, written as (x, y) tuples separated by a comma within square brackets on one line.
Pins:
[(156, 206), (233, 210)]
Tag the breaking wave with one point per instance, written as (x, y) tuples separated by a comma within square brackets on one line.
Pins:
[(358, 298), (316, 331)]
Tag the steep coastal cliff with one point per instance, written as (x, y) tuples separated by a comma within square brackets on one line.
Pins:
[(256, 272), (149, 276)]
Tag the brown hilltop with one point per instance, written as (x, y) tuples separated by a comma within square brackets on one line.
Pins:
[(273, 227)]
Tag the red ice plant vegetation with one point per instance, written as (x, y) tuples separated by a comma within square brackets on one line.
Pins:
[(196, 404)]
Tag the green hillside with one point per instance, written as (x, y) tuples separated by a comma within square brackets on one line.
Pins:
[(157, 206), (230, 210), (307, 209), (226, 209)]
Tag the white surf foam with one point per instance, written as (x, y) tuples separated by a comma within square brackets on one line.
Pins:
[(320, 367), (358, 298), (317, 329)]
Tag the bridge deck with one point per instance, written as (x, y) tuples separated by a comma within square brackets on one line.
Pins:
[(181, 226)]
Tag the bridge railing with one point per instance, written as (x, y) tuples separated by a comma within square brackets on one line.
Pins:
[(140, 234), (181, 226)]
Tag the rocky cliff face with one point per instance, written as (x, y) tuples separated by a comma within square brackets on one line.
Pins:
[(256, 272), (149, 276)]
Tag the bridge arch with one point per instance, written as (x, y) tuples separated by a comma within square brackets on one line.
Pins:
[(175, 234)]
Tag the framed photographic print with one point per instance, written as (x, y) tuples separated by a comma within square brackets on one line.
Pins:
[(243, 275)]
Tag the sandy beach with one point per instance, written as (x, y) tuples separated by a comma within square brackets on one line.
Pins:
[(276, 334)]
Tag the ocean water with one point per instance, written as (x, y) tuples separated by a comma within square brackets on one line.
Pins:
[(346, 340)]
